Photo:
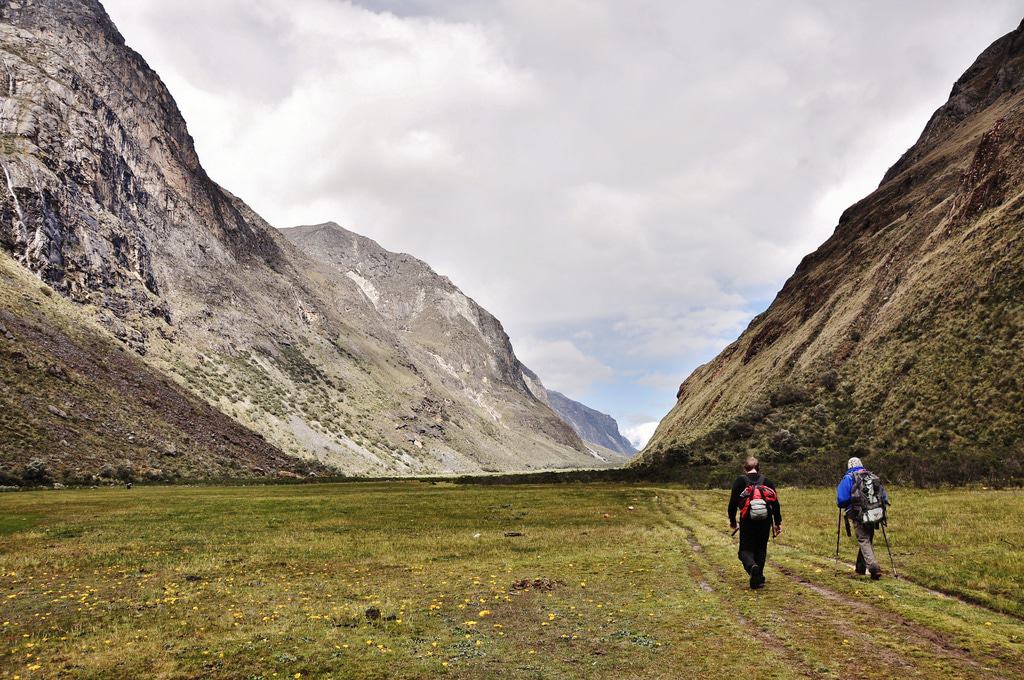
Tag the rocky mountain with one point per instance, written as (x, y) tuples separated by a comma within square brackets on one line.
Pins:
[(107, 203), (76, 406), (593, 426), (447, 335), (900, 338)]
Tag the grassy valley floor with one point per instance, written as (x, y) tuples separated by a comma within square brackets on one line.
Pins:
[(410, 579)]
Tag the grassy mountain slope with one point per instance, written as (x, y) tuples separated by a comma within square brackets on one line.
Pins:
[(900, 338), (76, 405)]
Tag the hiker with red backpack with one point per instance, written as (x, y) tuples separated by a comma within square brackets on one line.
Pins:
[(861, 495), (754, 496)]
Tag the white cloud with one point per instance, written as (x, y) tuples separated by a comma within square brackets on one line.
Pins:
[(636, 177), (639, 435), (562, 366), (648, 335), (367, 111), (660, 381)]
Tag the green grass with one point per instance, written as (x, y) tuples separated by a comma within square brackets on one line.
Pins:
[(9, 524), (265, 582)]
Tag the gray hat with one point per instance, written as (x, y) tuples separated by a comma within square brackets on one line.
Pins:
[(854, 462)]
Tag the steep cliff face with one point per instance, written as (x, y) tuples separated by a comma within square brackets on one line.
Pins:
[(593, 426), (900, 337), (106, 201), (105, 198), (465, 341)]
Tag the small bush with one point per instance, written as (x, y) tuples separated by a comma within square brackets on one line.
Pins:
[(784, 441), (829, 380), (9, 478), (36, 471), (125, 472), (788, 394), (77, 478)]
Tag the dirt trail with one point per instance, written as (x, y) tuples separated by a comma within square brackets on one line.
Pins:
[(794, 657), (863, 624), (702, 570), (940, 644)]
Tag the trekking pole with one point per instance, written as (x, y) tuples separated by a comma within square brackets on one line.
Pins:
[(839, 523), (887, 547)]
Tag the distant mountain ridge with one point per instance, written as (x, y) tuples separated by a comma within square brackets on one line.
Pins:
[(900, 339), (592, 425)]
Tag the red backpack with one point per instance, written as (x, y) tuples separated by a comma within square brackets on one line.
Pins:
[(756, 498)]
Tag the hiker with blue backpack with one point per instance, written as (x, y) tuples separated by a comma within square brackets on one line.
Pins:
[(861, 495), (754, 497)]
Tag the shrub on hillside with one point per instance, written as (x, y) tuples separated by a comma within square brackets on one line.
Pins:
[(124, 472), (77, 478), (784, 441), (36, 471), (829, 380), (9, 477), (789, 393)]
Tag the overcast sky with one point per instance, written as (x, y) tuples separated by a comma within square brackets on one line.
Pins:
[(624, 183)]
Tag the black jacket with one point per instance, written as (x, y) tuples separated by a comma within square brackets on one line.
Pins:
[(741, 483)]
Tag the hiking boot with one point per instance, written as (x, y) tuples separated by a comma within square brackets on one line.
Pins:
[(756, 577), (860, 571), (876, 574)]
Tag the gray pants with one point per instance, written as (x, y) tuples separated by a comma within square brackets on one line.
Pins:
[(865, 534)]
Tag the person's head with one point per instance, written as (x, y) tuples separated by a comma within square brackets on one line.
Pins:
[(751, 465), (854, 463)]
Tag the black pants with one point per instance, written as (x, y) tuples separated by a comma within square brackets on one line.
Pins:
[(754, 543)]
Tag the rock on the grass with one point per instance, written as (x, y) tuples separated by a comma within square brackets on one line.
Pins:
[(60, 413)]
